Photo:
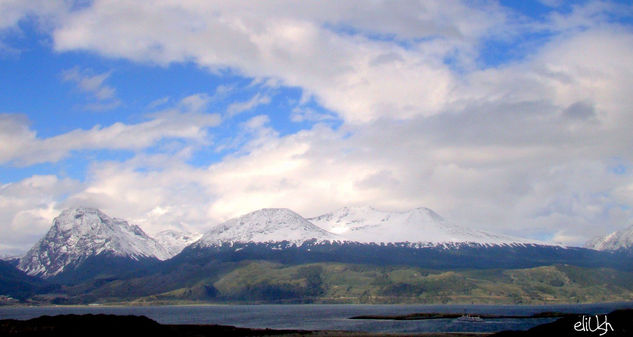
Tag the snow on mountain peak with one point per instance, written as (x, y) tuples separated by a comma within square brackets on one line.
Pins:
[(175, 241), (363, 224), (622, 239), (79, 233), (367, 224), (265, 225)]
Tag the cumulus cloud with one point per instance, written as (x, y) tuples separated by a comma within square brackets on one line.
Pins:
[(300, 44), (27, 208)]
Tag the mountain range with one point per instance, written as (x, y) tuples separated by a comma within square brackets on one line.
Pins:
[(91, 252), (80, 234)]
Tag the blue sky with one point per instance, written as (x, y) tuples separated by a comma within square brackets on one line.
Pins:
[(35, 87), (506, 116)]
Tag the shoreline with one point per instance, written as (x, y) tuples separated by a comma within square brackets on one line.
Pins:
[(202, 304), (124, 325), (453, 315)]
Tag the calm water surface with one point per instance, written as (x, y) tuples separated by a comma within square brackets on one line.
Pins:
[(321, 317)]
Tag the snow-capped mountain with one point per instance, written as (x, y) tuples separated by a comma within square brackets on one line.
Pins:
[(175, 241), (366, 224), (364, 235), (80, 233), (348, 224), (265, 225), (620, 240)]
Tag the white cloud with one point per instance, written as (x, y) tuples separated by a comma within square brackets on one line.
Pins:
[(301, 114), (23, 147), (104, 96), (158, 102), (27, 208), (300, 44), (13, 11), (239, 107), (90, 83), (507, 157), (522, 148), (195, 103)]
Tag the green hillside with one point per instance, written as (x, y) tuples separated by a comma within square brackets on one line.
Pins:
[(268, 282)]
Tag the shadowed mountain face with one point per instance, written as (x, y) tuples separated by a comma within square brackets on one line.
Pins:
[(445, 256), (17, 284)]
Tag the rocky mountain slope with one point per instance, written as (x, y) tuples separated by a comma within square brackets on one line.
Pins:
[(80, 233)]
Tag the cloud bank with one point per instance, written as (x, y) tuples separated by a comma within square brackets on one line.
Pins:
[(537, 145)]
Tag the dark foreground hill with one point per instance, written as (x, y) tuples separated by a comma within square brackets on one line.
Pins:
[(119, 326)]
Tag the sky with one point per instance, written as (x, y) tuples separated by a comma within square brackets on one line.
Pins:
[(507, 116)]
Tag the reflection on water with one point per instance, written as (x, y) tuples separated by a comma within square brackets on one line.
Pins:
[(330, 317)]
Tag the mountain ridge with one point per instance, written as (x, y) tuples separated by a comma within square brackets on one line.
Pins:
[(80, 233), (282, 237), (368, 224)]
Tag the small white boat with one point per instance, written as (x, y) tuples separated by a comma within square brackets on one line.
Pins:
[(469, 318)]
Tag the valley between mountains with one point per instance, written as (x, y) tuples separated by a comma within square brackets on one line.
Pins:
[(351, 255)]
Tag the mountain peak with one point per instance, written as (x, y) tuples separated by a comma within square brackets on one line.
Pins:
[(80, 209), (266, 225), (367, 224), (80, 212), (175, 241), (80, 216), (622, 239), (82, 232), (428, 212)]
